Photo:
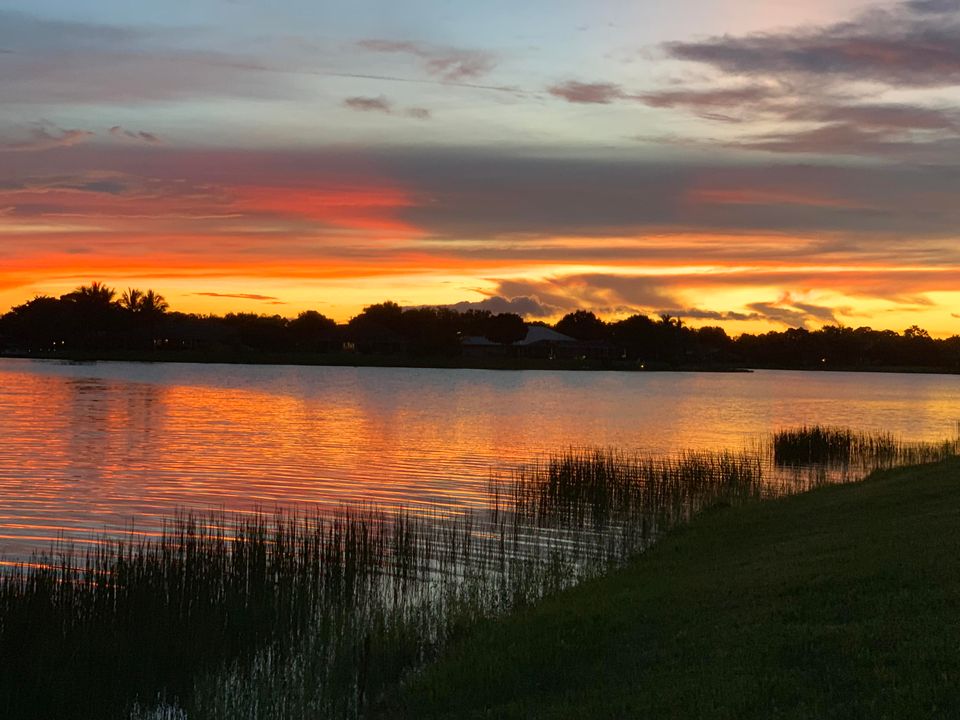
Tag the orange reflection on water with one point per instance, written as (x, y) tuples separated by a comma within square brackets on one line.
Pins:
[(120, 447)]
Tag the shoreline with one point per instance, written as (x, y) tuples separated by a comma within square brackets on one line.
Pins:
[(385, 361), (447, 363)]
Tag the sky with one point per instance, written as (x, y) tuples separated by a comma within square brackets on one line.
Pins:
[(750, 165)]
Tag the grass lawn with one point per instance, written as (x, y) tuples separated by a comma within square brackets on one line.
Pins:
[(839, 603)]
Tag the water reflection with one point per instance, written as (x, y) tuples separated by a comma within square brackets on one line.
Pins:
[(93, 446)]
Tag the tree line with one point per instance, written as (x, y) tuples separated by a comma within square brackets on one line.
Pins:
[(97, 320)]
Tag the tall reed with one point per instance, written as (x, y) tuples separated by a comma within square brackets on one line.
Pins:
[(843, 447)]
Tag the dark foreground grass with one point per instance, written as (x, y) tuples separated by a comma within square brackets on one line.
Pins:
[(839, 603)]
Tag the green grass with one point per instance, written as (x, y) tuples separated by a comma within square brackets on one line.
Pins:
[(838, 603)]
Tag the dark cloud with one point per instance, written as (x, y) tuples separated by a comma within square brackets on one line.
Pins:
[(698, 314), (448, 64), (608, 289), (369, 104), (524, 305), (110, 185), (807, 81), (528, 205), (699, 99), (916, 44), (600, 292), (489, 195), (933, 7), (896, 131), (598, 93), (381, 104), (46, 137), (608, 294), (890, 116), (854, 139), (793, 315)]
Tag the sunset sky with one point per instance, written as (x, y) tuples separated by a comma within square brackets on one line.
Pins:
[(753, 165)]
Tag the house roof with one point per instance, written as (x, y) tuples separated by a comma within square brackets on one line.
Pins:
[(535, 334), (539, 333), (477, 340)]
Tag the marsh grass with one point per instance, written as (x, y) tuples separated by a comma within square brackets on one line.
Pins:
[(311, 615), (833, 447)]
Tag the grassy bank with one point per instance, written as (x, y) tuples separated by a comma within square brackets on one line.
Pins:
[(841, 602)]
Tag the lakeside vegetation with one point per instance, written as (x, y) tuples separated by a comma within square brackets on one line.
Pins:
[(95, 322), (307, 615), (838, 603), (837, 447)]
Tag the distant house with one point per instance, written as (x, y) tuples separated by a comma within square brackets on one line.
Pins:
[(546, 343), (540, 342)]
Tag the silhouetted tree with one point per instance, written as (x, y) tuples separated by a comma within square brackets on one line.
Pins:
[(130, 300), (313, 331), (637, 335), (265, 333), (97, 314), (44, 324), (506, 328), (92, 319), (582, 325), (432, 331), (95, 294), (474, 322), (386, 314)]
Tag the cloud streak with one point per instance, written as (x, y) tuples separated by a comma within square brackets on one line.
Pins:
[(369, 104), (46, 137), (239, 296), (381, 104), (592, 93), (140, 136), (448, 64)]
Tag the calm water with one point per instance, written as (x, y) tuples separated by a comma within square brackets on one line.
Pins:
[(94, 446)]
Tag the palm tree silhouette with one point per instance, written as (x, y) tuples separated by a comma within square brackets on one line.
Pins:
[(146, 308), (94, 312), (152, 303), (96, 293), (145, 303), (131, 299)]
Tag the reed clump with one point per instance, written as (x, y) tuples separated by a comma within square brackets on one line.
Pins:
[(834, 447)]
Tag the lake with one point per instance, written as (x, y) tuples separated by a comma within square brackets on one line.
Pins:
[(99, 446)]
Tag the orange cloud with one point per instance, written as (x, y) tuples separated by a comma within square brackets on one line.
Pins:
[(360, 208)]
